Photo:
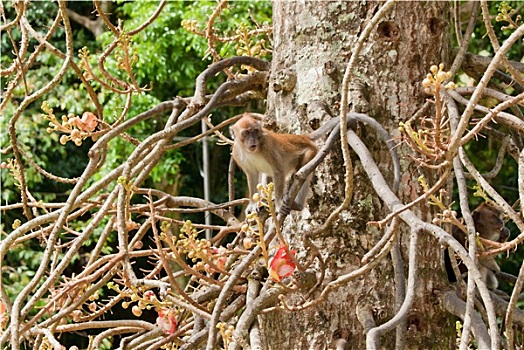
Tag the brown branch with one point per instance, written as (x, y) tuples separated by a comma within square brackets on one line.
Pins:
[(95, 26)]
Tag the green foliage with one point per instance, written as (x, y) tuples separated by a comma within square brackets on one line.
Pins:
[(480, 42), (19, 267)]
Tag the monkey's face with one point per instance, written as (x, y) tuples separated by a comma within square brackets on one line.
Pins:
[(247, 133), (489, 224), (250, 137)]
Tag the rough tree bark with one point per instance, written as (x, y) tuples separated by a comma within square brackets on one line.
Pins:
[(313, 42)]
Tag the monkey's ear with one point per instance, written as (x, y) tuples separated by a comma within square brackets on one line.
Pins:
[(476, 214), (232, 132)]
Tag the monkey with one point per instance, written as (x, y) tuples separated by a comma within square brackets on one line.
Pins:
[(259, 151), (488, 225)]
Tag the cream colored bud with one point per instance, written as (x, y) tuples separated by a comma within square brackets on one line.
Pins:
[(92, 307), (247, 243), (442, 76), (75, 134), (76, 315), (136, 311)]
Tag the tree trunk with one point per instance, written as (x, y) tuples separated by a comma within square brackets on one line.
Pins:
[(313, 42)]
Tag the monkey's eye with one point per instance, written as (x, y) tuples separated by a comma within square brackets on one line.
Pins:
[(245, 133)]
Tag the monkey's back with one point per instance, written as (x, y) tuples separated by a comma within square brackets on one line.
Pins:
[(291, 151)]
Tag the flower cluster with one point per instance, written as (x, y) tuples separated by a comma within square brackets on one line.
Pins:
[(226, 331), (434, 80), (75, 128), (430, 137), (506, 13), (13, 167), (201, 252), (148, 300)]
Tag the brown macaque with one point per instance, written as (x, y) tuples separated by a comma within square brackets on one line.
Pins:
[(260, 152), (488, 225)]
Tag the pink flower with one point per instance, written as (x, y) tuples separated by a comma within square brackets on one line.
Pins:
[(219, 257), (149, 295), (281, 265), (166, 320), (88, 122)]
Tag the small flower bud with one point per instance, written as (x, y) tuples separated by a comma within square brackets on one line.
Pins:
[(93, 297), (76, 315), (426, 83), (92, 307), (137, 311), (75, 134), (149, 295), (247, 243), (451, 85), (442, 76)]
